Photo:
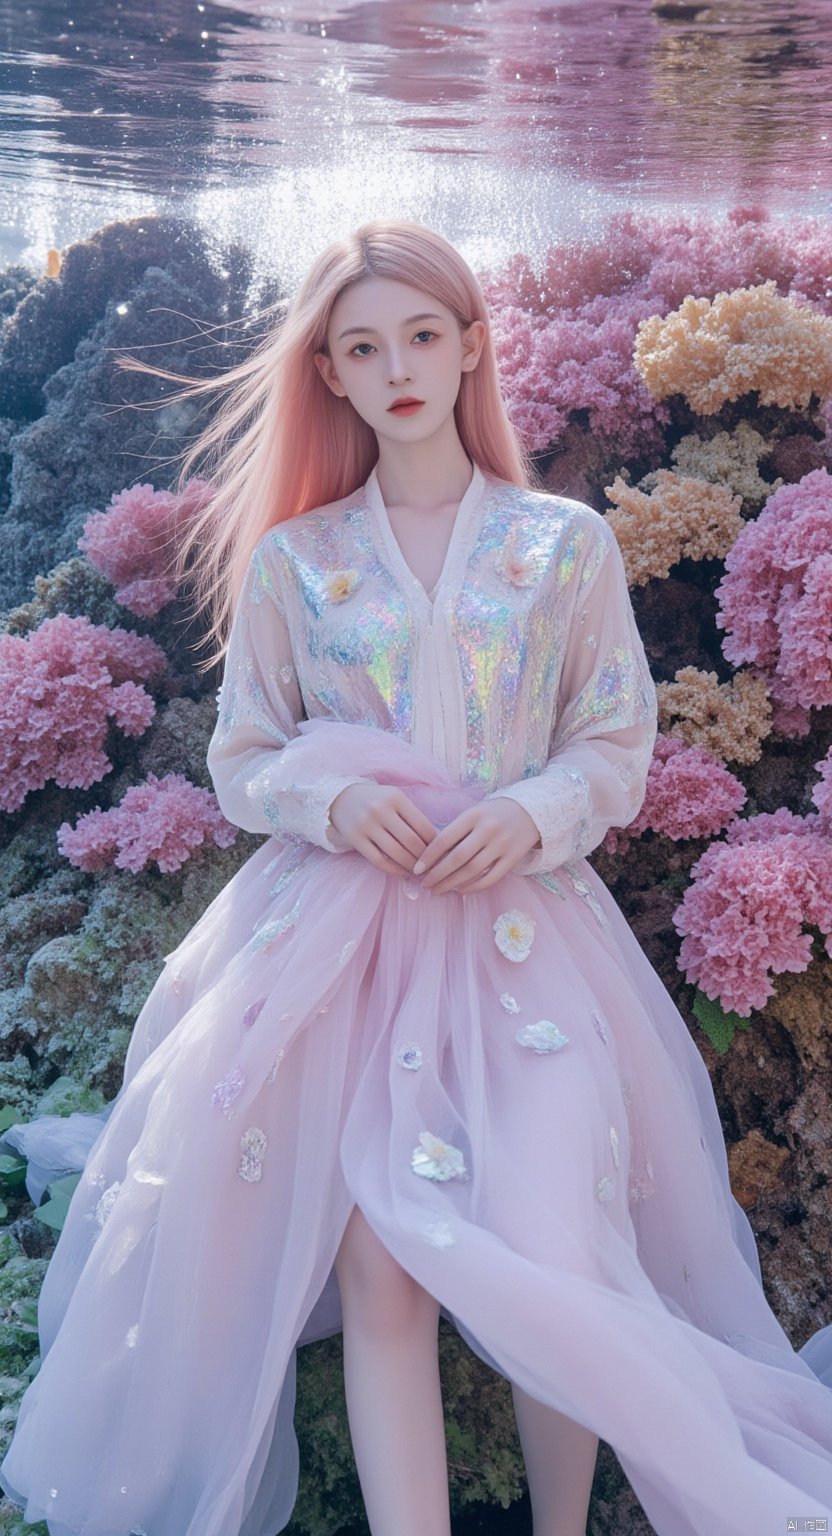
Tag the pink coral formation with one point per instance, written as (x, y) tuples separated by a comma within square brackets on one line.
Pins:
[(742, 918), (680, 517), (731, 720), (716, 350), (130, 539), (59, 688), (775, 599), (159, 822), (578, 363), (822, 792), (689, 794), (667, 256)]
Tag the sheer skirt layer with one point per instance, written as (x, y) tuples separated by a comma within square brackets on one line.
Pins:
[(315, 1043)]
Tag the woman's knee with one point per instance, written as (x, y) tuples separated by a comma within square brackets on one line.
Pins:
[(373, 1284)]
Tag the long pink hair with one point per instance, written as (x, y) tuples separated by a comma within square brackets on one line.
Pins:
[(282, 443)]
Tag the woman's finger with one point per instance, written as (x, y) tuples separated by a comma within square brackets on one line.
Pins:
[(409, 838), (416, 819), (490, 877), (368, 849), (466, 861), (390, 845)]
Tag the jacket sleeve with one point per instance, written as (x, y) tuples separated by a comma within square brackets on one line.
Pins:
[(605, 721), (259, 707)]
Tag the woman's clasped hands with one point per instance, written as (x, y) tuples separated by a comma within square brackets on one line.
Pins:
[(472, 852)]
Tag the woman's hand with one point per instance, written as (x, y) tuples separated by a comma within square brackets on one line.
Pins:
[(380, 822), (479, 846)]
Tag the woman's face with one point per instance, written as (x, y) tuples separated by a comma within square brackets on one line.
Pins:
[(387, 339)]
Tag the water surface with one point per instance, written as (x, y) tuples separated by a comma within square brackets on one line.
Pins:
[(504, 124)]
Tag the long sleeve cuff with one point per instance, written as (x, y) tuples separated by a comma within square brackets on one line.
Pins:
[(559, 803), (296, 811)]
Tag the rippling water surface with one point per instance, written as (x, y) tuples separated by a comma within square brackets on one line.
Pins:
[(502, 122)]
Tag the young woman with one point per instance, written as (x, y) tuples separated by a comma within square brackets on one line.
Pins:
[(411, 1059)]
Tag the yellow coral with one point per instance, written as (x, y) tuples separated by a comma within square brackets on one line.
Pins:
[(729, 719), (681, 516), (728, 458), (715, 350)]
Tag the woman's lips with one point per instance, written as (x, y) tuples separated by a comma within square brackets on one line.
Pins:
[(407, 410)]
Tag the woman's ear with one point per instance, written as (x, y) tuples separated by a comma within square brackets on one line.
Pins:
[(473, 340), (326, 369)]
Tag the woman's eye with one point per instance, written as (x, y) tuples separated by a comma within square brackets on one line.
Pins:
[(369, 344)]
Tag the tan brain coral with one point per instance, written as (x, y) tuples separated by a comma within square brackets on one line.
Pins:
[(680, 517), (727, 458), (729, 719), (716, 350)]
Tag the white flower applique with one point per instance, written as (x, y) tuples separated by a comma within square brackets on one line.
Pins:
[(514, 934), (437, 1159), (253, 1143), (439, 1234), (542, 1036), (340, 585)]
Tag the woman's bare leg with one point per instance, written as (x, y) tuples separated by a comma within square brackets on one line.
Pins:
[(391, 1381), (560, 1458)]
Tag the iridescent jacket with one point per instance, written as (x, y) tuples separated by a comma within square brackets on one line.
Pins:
[(522, 671)]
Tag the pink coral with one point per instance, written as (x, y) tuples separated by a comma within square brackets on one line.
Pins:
[(690, 793), (822, 792), (667, 256), (769, 824), (59, 688), (775, 599), (130, 539), (743, 914), (161, 821), (580, 362)]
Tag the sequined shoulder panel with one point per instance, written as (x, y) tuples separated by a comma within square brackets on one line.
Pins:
[(350, 628), (511, 618)]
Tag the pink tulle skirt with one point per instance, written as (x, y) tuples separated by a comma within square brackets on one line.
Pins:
[(505, 1087)]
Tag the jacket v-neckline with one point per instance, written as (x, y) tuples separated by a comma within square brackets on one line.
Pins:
[(457, 544)]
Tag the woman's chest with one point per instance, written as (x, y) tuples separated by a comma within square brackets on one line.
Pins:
[(424, 539)]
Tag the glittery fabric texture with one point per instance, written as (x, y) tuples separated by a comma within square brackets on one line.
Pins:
[(526, 675)]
